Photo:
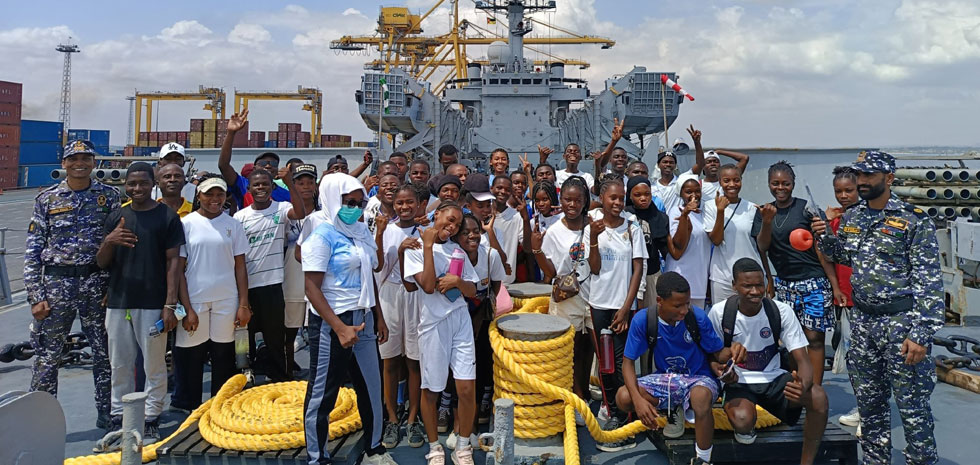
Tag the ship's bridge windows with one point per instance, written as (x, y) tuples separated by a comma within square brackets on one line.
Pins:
[(537, 82), (494, 81), (526, 82)]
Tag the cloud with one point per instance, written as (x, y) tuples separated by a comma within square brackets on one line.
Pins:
[(249, 34), (186, 32)]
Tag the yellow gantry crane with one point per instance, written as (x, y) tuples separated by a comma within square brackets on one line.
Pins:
[(215, 97), (312, 94), (400, 41)]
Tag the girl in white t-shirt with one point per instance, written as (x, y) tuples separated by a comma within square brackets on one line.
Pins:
[(617, 250), (689, 246), (728, 221), (560, 251), (400, 308), (346, 324), (445, 329), (214, 294)]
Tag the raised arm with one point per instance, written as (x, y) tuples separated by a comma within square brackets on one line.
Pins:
[(741, 159), (235, 123), (617, 134), (698, 150), (368, 158)]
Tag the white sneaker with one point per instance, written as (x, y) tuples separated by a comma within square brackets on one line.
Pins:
[(675, 428), (463, 456), (451, 441), (852, 418), (745, 438), (603, 415), (436, 456), (379, 459), (858, 432), (595, 392), (579, 421)]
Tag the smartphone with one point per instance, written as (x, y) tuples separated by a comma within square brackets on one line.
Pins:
[(729, 368)]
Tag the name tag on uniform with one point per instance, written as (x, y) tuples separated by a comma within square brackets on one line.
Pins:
[(893, 232), (852, 230), (55, 211), (898, 223)]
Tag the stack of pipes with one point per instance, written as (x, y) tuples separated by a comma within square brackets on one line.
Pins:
[(944, 193)]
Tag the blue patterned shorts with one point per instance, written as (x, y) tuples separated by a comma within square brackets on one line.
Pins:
[(812, 300), (671, 388)]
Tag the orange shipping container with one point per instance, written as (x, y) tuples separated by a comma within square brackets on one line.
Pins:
[(9, 135)]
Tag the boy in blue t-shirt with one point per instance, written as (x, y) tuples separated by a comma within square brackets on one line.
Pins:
[(685, 381)]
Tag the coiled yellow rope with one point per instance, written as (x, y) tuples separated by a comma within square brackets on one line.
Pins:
[(263, 418), (537, 376)]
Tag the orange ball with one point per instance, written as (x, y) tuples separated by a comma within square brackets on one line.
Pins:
[(801, 239)]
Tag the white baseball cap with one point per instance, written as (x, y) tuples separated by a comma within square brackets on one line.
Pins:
[(211, 183), (172, 147), (711, 154)]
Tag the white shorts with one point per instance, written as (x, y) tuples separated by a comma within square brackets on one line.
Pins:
[(401, 311), (216, 321), (295, 314), (575, 310), (448, 343)]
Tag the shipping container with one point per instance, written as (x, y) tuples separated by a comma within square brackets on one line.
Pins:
[(9, 135), (11, 92), (281, 143), (39, 153), (10, 113), (197, 124), (99, 138), (291, 143), (36, 175), (196, 139), (273, 135), (221, 125), (40, 131), (256, 135), (209, 140), (9, 156), (8, 177), (270, 144), (209, 125), (302, 143)]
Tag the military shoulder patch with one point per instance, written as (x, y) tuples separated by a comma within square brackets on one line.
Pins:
[(851, 230), (32, 227)]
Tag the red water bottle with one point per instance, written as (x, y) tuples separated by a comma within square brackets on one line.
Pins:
[(607, 356)]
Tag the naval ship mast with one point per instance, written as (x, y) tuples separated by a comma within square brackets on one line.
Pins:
[(504, 100)]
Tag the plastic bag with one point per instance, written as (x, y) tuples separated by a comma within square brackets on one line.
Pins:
[(843, 333)]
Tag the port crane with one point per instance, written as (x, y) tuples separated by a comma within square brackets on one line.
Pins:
[(215, 97), (312, 95)]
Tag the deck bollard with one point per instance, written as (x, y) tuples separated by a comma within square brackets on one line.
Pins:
[(132, 428), (501, 449)]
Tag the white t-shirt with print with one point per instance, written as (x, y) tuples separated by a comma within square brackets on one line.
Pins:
[(266, 233), (559, 246), (509, 228), (608, 289), (436, 306), (392, 240), (762, 358), (693, 264), (544, 222), (738, 242), (327, 251), (488, 267), (210, 248)]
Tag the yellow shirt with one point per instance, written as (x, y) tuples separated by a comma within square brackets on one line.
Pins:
[(183, 211)]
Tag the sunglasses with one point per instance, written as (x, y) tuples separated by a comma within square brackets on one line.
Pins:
[(356, 204), (267, 163)]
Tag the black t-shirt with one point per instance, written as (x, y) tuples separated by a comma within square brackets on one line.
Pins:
[(655, 227), (789, 263), (138, 275)]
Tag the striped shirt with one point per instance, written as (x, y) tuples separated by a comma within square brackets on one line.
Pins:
[(266, 234)]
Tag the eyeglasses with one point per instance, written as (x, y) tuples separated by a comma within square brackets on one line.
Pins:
[(267, 163), (356, 204)]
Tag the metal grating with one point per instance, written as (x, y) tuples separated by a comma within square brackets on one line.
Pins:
[(648, 95), (371, 88)]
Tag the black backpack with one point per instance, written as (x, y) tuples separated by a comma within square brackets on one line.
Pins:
[(653, 328), (775, 324)]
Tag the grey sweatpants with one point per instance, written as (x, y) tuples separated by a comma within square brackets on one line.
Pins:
[(125, 337)]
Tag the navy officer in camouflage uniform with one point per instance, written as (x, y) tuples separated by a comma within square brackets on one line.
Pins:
[(61, 275), (898, 292)]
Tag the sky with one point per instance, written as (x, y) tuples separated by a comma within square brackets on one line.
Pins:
[(765, 73)]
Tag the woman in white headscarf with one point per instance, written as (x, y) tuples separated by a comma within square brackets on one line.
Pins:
[(689, 245), (346, 324)]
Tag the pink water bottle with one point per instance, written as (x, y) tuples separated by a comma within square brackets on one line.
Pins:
[(456, 262), (607, 356)]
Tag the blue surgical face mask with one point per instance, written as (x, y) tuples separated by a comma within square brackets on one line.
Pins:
[(349, 215)]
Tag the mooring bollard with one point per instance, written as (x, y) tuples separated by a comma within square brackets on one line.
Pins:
[(132, 428), (501, 451)]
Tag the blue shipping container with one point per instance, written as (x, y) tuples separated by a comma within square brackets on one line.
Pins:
[(291, 143), (270, 143), (40, 153), (40, 131), (36, 175), (97, 138)]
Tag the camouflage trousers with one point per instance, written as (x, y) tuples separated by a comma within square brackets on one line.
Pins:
[(878, 370), (67, 298)]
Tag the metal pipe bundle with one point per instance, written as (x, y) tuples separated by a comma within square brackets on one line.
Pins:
[(918, 174), (917, 192)]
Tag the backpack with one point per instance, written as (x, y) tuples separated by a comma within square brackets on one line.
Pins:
[(775, 325), (653, 328)]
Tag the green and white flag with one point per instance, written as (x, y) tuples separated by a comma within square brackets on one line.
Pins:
[(385, 100)]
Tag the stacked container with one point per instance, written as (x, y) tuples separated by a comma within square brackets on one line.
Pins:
[(335, 140), (10, 103), (40, 152), (100, 139)]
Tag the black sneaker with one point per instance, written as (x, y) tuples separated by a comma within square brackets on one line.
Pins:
[(151, 432), (483, 417), (390, 435), (622, 444), (105, 421), (416, 434)]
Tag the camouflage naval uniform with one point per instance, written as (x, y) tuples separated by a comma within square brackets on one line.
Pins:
[(898, 293), (65, 233)]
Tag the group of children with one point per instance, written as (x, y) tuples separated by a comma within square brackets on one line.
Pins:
[(406, 268)]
